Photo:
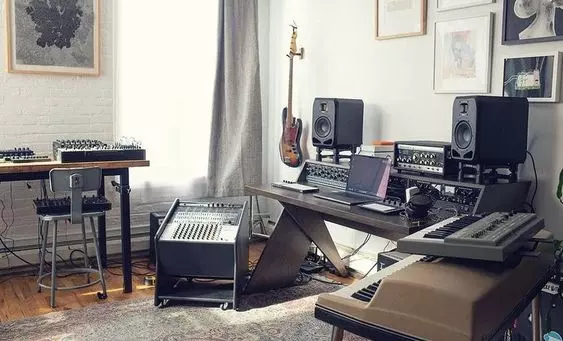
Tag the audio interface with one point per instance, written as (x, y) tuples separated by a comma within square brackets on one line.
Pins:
[(424, 157), (461, 197), (324, 174)]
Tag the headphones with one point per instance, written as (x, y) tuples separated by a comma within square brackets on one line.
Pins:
[(420, 203)]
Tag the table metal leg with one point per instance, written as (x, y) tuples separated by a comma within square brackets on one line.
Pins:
[(250, 220), (536, 320), (125, 231), (102, 240), (337, 333)]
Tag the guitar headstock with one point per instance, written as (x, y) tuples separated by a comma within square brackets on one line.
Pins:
[(293, 44)]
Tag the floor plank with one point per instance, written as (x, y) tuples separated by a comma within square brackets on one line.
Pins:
[(19, 297)]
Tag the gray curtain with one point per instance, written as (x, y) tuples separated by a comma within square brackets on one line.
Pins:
[(235, 156)]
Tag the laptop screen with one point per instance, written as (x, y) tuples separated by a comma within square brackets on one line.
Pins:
[(366, 174)]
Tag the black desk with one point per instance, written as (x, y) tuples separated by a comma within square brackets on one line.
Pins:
[(40, 171), (301, 222)]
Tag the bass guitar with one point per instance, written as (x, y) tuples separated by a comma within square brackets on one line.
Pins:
[(290, 147)]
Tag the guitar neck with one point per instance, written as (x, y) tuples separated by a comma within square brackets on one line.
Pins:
[(290, 94)]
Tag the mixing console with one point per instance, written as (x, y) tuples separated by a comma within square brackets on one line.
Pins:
[(62, 205), (204, 221)]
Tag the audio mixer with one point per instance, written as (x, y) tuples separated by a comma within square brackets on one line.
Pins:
[(95, 150), (202, 240)]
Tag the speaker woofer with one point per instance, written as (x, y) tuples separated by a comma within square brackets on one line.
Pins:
[(463, 134), (323, 127)]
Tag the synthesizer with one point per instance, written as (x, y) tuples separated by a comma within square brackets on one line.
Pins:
[(27, 158), (62, 205), (202, 240), (16, 152), (431, 298), (424, 157), (490, 237), (95, 150)]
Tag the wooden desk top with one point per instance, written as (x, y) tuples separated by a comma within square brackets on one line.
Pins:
[(391, 226), (36, 167)]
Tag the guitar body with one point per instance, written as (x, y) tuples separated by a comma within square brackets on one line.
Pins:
[(290, 146)]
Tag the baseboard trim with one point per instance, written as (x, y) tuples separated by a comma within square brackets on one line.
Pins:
[(9, 263)]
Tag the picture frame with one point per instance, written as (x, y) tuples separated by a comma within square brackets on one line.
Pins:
[(31, 46), (395, 19), (462, 54), (522, 24), (446, 5), (533, 76)]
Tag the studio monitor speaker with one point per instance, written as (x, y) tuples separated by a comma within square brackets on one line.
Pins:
[(490, 130), (337, 122)]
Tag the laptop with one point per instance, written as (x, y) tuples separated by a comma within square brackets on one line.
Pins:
[(367, 181)]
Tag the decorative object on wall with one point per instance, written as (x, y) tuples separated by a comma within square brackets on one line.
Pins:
[(53, 36), (462, 55), (445, 5), (534, 76), (532, 21), (399, 18)]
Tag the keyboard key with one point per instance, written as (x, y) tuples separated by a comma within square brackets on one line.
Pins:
[(361, 297)]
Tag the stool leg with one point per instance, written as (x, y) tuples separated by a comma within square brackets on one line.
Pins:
[(100, 268), (86, 260), (44, 233), (337, 333), (53, 266)]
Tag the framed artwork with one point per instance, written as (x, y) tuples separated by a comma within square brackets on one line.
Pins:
[(462, 55), (445, 5), (399, 18), (535, 77), (53, 36), (532, 21)]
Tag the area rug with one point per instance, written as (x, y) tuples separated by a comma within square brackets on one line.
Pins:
[(285, 314)]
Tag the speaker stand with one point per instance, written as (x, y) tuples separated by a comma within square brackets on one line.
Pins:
[(482, 173), (336, 156)]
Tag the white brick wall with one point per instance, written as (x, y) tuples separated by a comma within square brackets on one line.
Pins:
[(36, 109)]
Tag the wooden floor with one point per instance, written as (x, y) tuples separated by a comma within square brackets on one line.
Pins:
[(19, 297)]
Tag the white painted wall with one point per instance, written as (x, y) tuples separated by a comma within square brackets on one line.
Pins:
[(394, 78), (37, 109)]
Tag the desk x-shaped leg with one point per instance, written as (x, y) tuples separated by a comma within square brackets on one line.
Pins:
[(287, 248)]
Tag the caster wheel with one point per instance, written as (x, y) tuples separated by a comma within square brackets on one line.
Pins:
[(163, 303), (225, 306), (102, 296)]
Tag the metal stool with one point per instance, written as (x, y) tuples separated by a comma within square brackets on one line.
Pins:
[(75, 181)]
